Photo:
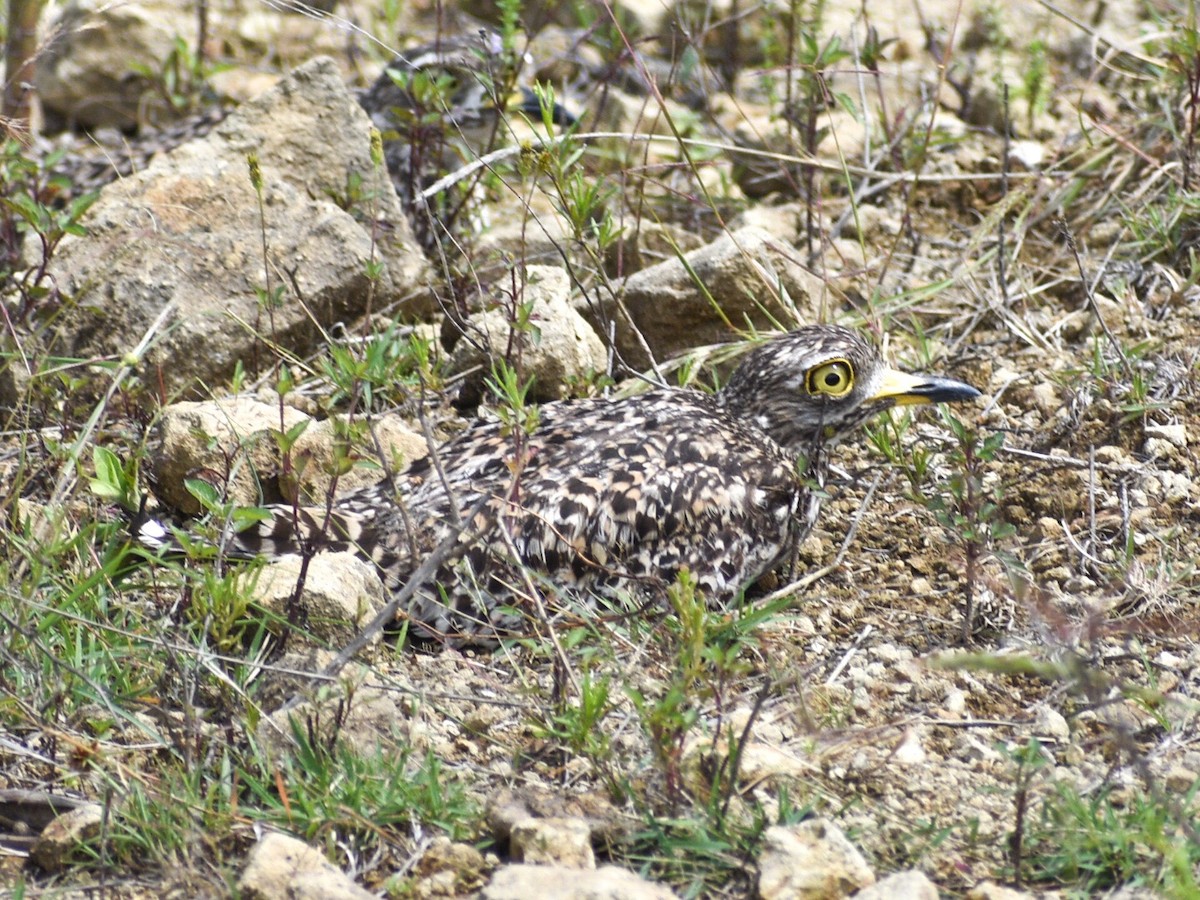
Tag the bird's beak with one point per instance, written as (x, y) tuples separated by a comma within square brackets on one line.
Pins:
[(525, 100), (908, 390)]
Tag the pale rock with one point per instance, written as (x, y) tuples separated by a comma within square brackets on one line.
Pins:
[(1180, 779), (1157, 448), (804, 626), (911, 671), (1030, 154), (988, 890), (861, 699), (909, 752), (282, 867), (448, 869), (646, 244), (1175, 433), (861, 762), (1048, 529), (240, 84), (1176, 487), (553, 841), (809, 861), (1046, 398), (891, 653), (664, 310), (60, 839), (872, 224), (341, 593), (969, 748), (910, 885), (508, 807), (764, 729), (1168, 660), (352, 709), (184, 236), (559, 349), (784, 220), (314, 457), (758, 762), (96, 65), (1111, 454), (230, 442), (1050, 723), (955, 702), (522, 882), (531, 229)]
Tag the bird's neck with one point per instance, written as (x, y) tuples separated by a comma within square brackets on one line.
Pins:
[(793, 438)]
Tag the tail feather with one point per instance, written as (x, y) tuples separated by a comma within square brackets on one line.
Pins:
[(283, 531)]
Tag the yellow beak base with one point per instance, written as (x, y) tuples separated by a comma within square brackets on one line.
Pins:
[(910, 390)]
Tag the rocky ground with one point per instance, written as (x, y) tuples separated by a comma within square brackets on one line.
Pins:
[(983, 668)]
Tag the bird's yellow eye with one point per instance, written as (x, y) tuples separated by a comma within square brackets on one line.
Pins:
[(834, 378)]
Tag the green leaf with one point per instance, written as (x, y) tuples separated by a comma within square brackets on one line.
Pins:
[(244, 517), (110, 482), (207, 495)]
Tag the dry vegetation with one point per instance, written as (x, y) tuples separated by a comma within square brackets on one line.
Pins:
[(988, 668)]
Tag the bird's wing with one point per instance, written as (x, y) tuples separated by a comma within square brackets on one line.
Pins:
[(608, 491), (603, 494)]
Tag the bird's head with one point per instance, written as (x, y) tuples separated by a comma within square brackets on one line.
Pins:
[(814, 385)]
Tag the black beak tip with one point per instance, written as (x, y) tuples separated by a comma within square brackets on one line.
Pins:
[(947, 390), (561, 117), (531, 105)]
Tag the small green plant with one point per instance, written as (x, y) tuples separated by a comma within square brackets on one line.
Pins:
[(887, 435), (577, 725), (703, 856), (220, 611), (114, 482), (971, 513), (803, 109), (381, 371), (1164, 228), (1035, 83), (181, 79), (27, 208), (707, 651), (179, 812), (1030, 760), (519, 416), (1121, 374), (1183, 68)]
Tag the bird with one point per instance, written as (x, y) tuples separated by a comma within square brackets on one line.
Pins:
[(608, 500)]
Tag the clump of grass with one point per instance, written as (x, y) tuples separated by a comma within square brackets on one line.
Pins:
[(1089, 841), (354, 801)]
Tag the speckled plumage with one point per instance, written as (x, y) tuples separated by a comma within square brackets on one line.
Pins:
[(612, 498)]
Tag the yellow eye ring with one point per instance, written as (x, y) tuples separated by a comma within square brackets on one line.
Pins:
[(833, 379)]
